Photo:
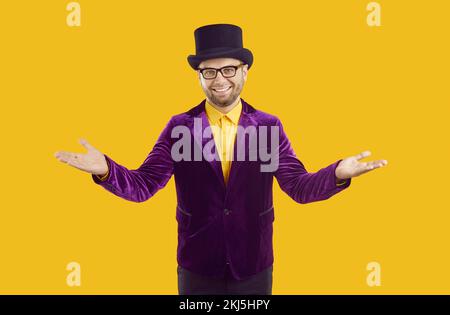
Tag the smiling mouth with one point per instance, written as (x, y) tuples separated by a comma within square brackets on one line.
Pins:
[(222, 90)]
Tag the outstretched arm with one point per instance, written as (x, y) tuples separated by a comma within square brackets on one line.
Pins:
[(304, 187), (135, 185)]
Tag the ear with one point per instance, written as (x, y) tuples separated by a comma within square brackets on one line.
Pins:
[(245, 71), (199, 77)]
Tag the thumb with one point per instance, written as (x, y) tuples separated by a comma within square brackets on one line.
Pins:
[(86, 144), (363, 155)]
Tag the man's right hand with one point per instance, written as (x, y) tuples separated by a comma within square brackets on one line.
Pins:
[(93, 161)]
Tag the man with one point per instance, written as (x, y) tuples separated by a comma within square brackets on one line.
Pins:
[(225, 211)]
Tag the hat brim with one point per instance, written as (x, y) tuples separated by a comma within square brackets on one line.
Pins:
[(242, 54)]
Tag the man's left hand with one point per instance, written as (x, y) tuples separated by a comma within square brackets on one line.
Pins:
[(352, 167)]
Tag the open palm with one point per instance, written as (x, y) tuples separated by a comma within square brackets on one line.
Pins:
[(352, 167), (93, 161)]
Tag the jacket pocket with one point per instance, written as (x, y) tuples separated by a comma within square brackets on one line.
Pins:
[(203, 227), (184, 219), (266, 218)]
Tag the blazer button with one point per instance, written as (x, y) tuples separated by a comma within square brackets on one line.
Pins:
[(226, 211)]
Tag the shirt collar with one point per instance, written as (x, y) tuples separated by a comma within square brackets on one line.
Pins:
[(214, 115)]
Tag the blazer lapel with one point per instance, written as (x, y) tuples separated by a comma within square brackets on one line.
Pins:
[(212, 156)]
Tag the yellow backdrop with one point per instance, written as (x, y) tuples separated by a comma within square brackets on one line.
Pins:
[(339, 86)]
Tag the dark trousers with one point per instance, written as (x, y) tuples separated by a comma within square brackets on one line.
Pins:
[(190, 283)]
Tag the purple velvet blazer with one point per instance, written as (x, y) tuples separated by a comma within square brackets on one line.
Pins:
[(222, 224)]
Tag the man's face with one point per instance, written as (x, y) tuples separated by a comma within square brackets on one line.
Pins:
[(214, 88)]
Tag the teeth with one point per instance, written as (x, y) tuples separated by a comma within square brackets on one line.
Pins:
[(221, 90)]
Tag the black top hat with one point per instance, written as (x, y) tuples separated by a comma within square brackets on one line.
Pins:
[(219, 41)]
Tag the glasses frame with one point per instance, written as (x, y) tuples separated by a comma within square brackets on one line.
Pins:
[(220, 70)]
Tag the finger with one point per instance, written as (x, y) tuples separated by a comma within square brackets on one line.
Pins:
[(363, 155), (64, 156), (86, 144), (380, 163), (376, 164), (76, 161)]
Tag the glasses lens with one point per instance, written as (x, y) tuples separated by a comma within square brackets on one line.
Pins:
[(209, 73), (228, 72)]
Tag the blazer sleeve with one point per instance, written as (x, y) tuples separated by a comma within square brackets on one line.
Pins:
[(140, 184), (294, 180)]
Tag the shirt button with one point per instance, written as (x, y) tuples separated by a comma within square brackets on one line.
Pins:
[(226, 211)]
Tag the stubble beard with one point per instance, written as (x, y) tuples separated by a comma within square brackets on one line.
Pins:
[(236, 91)]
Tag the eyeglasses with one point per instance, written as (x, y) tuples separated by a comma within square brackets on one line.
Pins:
[(227, 72)]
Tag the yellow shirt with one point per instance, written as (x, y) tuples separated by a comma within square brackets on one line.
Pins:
[(224, 129)]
